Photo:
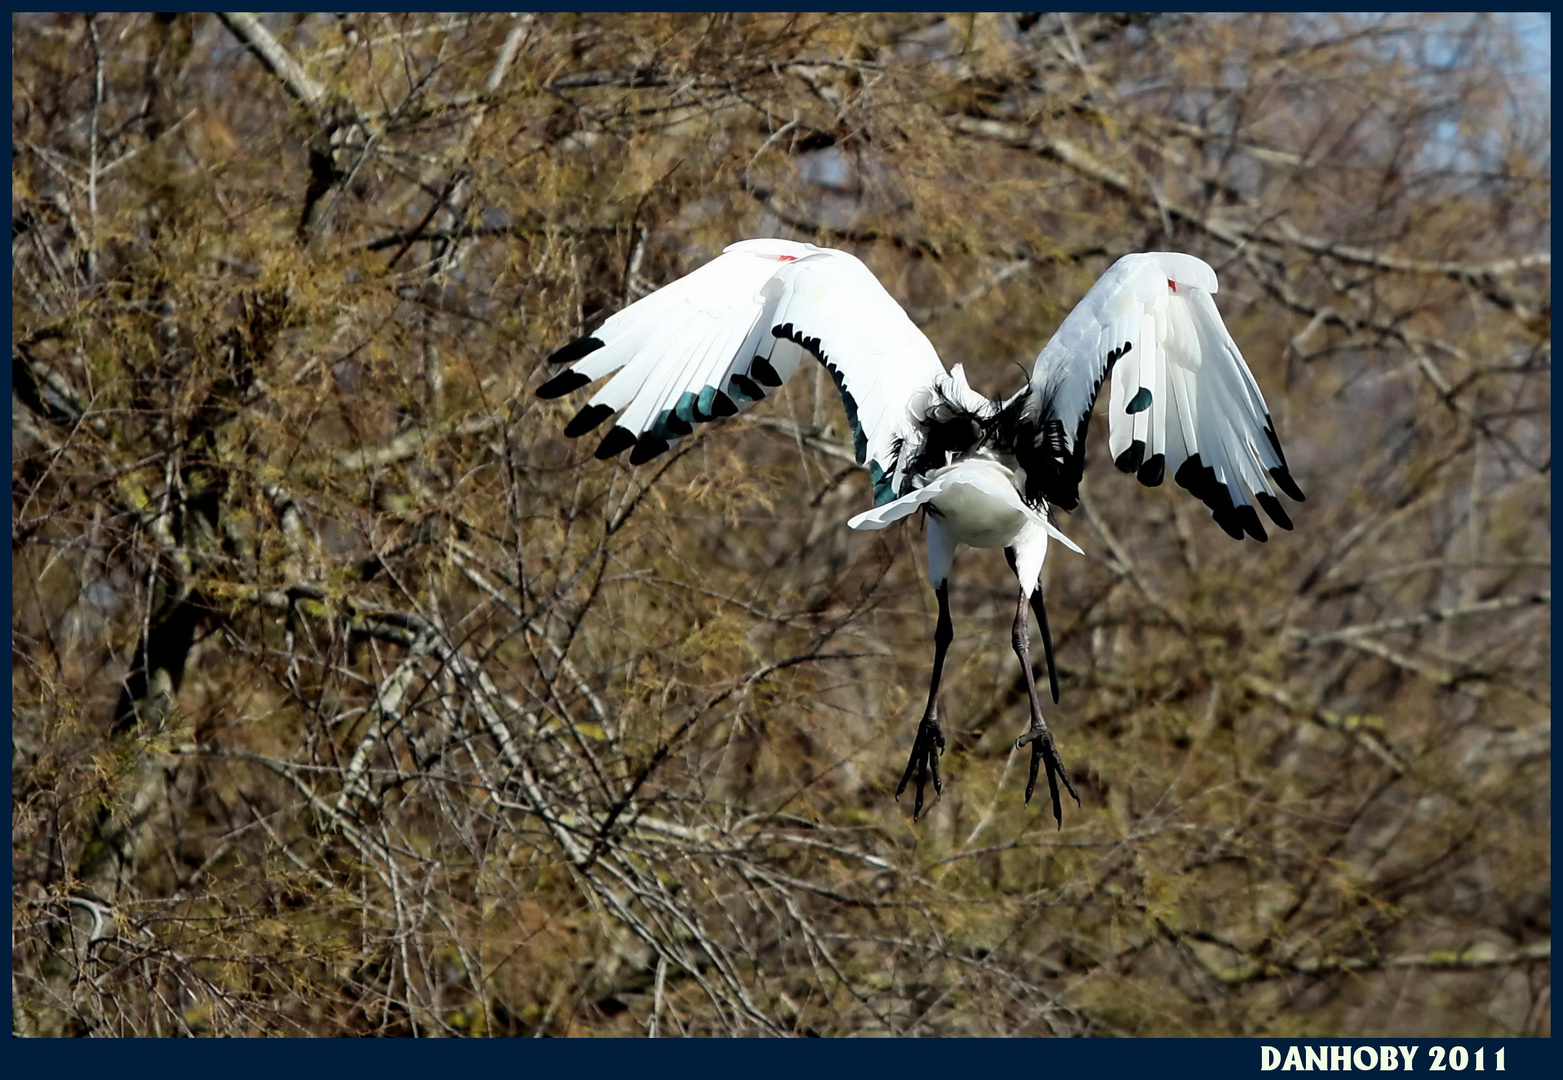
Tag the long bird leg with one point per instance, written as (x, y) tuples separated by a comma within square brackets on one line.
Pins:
[(1043, 749), (1041, 613), (1047, 641), (924, 762)]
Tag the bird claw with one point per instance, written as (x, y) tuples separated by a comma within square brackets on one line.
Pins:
[(1045, 752), (923, 765)]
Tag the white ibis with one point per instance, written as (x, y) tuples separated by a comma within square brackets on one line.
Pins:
[(986, 473)]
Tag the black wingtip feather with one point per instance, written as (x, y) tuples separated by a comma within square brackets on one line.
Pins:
[(1129, 461), (648, 447), (722, 405), (762, 372), (1249, 520), (1283, 480), (1154, 469), (582, 346), (1200, 481), (587, 419), (1140, 402), (562, 384), (1191, 476), (1228, 522), (1272, 507), (615, 443), (747, 386)]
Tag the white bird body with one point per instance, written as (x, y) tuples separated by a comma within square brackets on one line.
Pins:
[(977, 502), (986, 473), (975, 499)]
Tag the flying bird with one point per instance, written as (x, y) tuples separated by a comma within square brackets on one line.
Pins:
[(985, 473)]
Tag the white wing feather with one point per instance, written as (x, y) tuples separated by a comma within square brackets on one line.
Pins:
[(724, 335), (1182, 399)]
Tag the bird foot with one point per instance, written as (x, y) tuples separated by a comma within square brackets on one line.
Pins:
[(923, 765), (1045, 752)]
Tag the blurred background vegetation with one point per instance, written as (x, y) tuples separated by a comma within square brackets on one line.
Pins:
[(350, 697)]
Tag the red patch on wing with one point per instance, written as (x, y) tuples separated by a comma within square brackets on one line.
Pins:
[(1173, 285), (794, 258)]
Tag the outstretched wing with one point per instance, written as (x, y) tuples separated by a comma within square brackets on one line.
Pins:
[(1182, 401), (725, 335)]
